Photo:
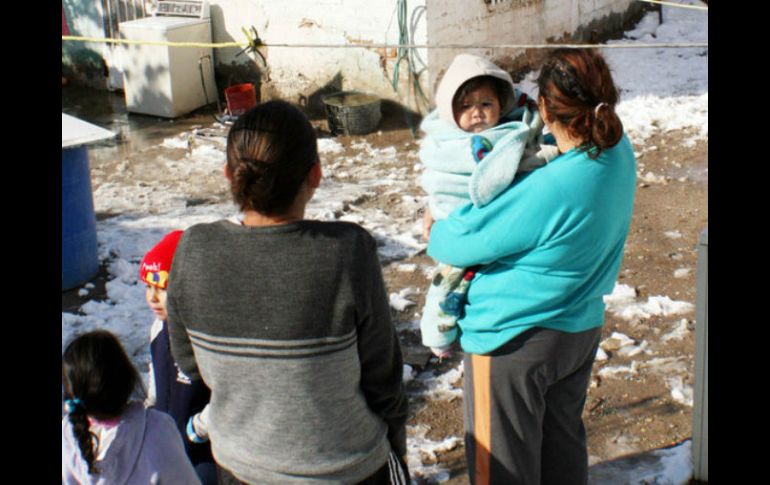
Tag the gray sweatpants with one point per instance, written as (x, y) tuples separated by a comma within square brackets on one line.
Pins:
[(523, 409)]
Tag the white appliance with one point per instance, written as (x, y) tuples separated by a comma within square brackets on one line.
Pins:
[(169, 81)]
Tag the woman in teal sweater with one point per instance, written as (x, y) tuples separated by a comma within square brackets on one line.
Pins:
[(551, 246)]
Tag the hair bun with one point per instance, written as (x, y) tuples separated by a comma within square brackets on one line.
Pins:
[(270, 150), (577, 89)]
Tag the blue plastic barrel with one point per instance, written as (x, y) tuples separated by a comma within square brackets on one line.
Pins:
[(79, 258)]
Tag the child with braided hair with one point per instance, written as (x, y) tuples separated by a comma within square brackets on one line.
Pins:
[(108, 438)]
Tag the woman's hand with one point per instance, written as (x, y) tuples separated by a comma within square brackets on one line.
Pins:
[(427, 223)]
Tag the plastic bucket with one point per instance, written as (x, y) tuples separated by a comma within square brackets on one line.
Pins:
[(79, 258), (352, 113), (240, 98)]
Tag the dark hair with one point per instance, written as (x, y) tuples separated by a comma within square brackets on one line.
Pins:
[(500, 87), (578, 90), (270, 150), (98, 375)]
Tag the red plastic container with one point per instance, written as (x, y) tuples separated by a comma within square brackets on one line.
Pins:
[(240, 98)]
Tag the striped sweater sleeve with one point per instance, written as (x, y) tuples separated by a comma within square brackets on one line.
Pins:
[(380, 353), (181, 347)]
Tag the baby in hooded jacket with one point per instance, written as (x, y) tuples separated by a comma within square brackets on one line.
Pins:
[(482, 133)]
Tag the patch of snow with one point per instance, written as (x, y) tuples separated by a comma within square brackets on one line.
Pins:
[(419, 446), (682, 272), (632, 350), (622, 302), (616, 341), (441, 386), (645, 28), (680, 391), (182, 141), (211, 155), (409, 373), (667, 366), (632, 368), (678, 333), (675, 467), (651, 178), (329, 146), (601, 355), (399, 302)]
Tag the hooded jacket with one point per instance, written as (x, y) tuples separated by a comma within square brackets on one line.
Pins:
[(463, 68), (147, 449), (453, 177)]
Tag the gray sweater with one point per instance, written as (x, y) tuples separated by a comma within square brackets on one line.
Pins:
[(290, 328)]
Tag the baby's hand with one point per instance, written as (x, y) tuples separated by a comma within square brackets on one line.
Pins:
[(427, 223), (194, 433)]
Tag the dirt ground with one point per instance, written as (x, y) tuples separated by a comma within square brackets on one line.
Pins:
[(624, 414)]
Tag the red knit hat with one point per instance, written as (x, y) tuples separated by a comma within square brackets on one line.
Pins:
[(157, 262)]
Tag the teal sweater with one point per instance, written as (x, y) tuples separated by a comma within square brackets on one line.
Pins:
[(551, 244)]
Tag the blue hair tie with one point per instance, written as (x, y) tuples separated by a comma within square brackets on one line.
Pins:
[(70, 405)]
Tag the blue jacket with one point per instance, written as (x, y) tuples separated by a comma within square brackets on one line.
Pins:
[(551, 246), (175, 393)]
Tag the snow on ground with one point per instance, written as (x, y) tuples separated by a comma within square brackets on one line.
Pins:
[(421, 449), (664, 89), (669, 466), (442, 386), (661, 89), (400, 301), (624, 304)]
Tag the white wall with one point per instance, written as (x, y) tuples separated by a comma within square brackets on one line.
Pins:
[(299, 74), (296, 72)]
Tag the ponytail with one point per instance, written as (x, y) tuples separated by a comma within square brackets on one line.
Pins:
[(81, 428)]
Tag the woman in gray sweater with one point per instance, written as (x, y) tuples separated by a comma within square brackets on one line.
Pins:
[(287, 321)]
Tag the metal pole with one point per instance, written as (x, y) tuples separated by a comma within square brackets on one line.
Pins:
[(700, 428)]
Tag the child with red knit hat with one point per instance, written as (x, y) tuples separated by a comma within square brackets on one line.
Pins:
[(170, 390)]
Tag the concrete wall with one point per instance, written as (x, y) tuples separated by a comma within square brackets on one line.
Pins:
[(81, 60), (303, 74), (520, 22)]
